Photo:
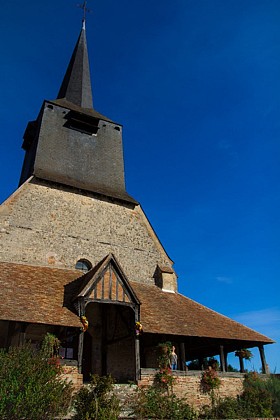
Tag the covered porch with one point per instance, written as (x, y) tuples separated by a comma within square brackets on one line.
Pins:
[(57, 301)]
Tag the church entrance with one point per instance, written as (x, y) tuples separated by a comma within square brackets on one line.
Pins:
[(109, 342)]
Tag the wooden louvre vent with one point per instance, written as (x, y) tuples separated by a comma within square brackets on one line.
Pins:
[(81, 122)]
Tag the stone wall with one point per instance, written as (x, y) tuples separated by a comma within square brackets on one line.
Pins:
[(71, 374), (187, 385), (49, 226)]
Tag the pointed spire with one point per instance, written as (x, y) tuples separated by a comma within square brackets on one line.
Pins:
[(76, 85)]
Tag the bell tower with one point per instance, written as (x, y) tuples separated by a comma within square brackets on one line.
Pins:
[(70, 143)]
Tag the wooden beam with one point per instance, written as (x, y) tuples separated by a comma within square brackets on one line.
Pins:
[(22, 333), (264, 364), (81, 311), (200, 361), (241, 363), (137, 350), (226, 360), (222, 359), (182, 361), (104, 341), (80, 351)]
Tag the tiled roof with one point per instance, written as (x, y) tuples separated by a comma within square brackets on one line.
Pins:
[(38, 294), (35, 294), (173, 313)]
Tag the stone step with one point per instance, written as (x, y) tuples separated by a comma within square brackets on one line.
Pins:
[(126, 394)]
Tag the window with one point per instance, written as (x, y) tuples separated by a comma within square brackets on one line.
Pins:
[(69, 343), (83, 265)]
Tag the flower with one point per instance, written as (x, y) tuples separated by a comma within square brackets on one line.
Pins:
[(84, 321), (209, 380), (164, 378), (138, 328)]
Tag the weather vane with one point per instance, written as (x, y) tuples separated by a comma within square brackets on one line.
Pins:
[(85, 9)]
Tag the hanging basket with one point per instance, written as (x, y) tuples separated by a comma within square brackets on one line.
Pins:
[(138, 328), (84, 322), (244, 354)]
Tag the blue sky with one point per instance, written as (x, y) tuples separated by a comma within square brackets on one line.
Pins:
[(196, 84)]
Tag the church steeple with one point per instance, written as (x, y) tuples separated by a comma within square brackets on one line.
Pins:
[(76, 85), (71, 143)]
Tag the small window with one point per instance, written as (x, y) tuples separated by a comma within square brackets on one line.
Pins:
[(68, 344), (83, 265)]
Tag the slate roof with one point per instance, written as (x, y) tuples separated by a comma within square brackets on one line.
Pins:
[(76, 85), (64, 103), (75, 92), (44, 295)]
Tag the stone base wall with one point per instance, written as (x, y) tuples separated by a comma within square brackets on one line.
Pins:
[(187, 385), (71, 374)]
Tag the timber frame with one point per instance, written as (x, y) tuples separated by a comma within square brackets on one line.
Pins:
[(107, 284)]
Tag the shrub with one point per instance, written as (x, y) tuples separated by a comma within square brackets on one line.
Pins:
[(255, 401), (164, 380), (209, 380), (30, 385), (227, 408), (153, 404), (96, 400), (164, 353), (273, 387)]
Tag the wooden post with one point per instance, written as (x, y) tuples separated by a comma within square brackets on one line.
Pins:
[(81, 311), (7, 335), (264, 364), (80, 351), (22, 333), (182, 356), (137, 349), (226, 360), (241, 362), (200, 361), (104, 341), (137, 359), (222, 359)]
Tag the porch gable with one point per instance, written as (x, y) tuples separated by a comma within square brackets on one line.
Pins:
[(107, 282)]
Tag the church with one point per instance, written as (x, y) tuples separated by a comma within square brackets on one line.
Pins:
[(80, 259)]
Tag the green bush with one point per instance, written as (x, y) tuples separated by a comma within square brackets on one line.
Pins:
[(226, 408), (30, 385), (152, 403), (273, 387), (96, 401), (255, 401), (209, 381)]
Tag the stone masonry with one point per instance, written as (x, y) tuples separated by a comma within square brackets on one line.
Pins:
[(45, 225), (187, 386)]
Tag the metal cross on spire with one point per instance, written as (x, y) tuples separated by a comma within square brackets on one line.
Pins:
[(85, 10)]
